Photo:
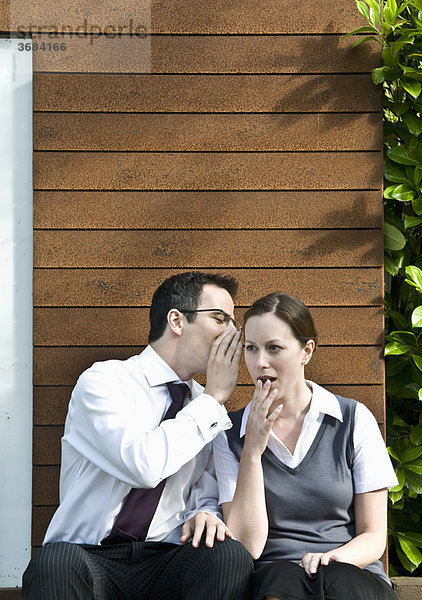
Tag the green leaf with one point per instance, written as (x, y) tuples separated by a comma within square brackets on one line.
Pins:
[(393, 453), (411, 455), (413, 123), (367, 38), (390, 12), (402, 155), (410, 222), (414, 277), (364, 29), (417, 205), (413, 536), (393, 238), (407, 564), (378, 75), (395, 365), (412, 73), (363, 9), (395, 496), (404, 336), (418, 361), (409, 548), (392, 264), (401, 479), (414, 482), (420, 394), (411, 390), (402, 192), (395, 348), (415, 468), (374, 11), (393, 172), (417, 317), (398, 319), (416, 433), (412, 87)]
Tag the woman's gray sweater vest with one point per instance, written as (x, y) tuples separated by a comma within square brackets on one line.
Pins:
[(310, 507)]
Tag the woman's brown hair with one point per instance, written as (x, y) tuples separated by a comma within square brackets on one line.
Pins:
[(290, 310)]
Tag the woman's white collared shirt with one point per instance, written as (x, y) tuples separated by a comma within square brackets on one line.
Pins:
[(372, 468)]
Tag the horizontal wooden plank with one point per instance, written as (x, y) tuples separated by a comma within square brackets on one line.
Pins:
[(236, 210), (130, 326), (207, 170), (188, 16), (45, 478), (135, 287), (339, 365), (196, 132), (203, 54), (51, 402), (10, 594), (46, 451), (41, 517), (205, 93), (212, 249)]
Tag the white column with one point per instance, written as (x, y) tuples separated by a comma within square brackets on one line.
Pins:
[(15, 309)]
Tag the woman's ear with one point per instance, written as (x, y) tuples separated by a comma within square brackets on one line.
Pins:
[(175, 321), (308, 351)]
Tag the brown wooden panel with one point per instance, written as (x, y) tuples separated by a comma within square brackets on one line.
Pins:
[(205, 54), (41, 517), (130, 326), (207, 170), (51, 402), (205, 93), (135, 287), (225, 210), (10, 594), (45, 482), (46, 448), (188, 16), (180, 133), (340, 365), (216, 249)]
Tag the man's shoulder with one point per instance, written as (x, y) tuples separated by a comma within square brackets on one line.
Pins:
[(110, 368)]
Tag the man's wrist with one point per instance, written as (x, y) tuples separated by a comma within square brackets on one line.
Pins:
[(219, 396)]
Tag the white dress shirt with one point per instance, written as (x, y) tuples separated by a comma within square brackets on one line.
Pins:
[(114, 440), (372, 468)]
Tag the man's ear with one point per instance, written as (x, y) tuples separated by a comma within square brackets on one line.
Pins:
[(175, 321)]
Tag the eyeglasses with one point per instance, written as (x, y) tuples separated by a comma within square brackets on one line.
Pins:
[(225, 318)]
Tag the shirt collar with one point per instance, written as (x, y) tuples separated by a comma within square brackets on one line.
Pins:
[(157, 371), (322, 401)]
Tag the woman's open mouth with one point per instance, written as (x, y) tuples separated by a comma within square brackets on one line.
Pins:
[(265, 378)]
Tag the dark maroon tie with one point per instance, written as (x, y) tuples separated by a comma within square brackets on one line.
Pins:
[(134, 519)]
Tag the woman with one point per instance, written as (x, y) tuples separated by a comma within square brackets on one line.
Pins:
[(305, 490)]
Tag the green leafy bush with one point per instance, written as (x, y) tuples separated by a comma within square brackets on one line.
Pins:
[(397, 26)]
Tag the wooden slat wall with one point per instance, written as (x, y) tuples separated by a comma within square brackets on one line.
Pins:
[(241, 137)]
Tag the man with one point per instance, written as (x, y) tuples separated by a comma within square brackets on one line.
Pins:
[(137, 481)]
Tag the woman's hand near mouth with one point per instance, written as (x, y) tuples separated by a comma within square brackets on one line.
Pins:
[(260, 421)]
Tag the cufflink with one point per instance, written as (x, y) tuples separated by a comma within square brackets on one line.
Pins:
[(213, 425)]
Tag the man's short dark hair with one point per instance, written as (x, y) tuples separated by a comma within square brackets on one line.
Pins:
[(183, 291)]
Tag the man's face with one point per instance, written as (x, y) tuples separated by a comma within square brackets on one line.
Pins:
[(199, 335)]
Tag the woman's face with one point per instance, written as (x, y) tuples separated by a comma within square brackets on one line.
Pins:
[(273, 352)]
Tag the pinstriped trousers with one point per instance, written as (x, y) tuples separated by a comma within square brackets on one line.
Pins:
[(139, 571)]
